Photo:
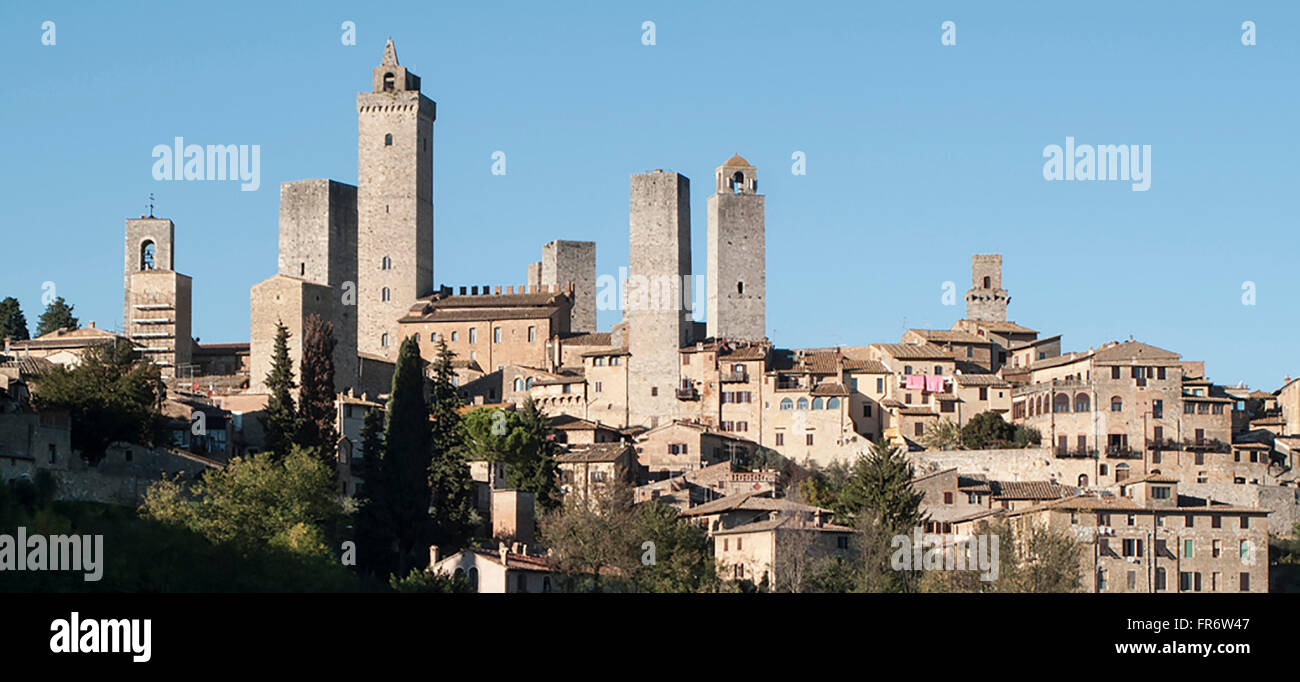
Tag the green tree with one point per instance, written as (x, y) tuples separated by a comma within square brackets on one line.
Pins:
[(376, 542), (280, 420), (255, 502), (109, 397), (452, 493), (941, 435), (524, 441), (424, 581), (674, 554), (405, 465), (316, 409), (880, 486), (57, 315), (13, 325), (987, 430)]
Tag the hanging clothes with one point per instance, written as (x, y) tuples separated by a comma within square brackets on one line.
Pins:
[(915, 382), (934, 384)]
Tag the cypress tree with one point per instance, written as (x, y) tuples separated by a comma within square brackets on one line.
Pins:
[(316, 408), (450, 483), (280, 421), (404, 467), (57, 315), (13, 325)]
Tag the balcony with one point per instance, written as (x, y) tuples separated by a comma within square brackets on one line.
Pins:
[(688, 393), (1122, 452), (736, 378), (784, 383), (1205, 445), (1162, 444), (1075, 453)]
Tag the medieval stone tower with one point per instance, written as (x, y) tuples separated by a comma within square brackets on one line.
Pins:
[(986, 300), (394, 203), (564, 263), (156, 308), (659, 269), (317, 274), (737, 266)]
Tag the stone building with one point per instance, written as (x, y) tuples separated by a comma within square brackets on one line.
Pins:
[(659, 272), (564, 263), (590, 472), (1149, 538), (394, 203), (64, 346), (986, 301), (156, 305), (737, 262)]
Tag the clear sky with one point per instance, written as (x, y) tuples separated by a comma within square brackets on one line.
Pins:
[(918, 154)]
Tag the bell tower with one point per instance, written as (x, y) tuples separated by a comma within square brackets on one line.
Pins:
[(737, 259), (394, 202)]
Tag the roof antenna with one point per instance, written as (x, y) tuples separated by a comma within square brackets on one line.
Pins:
[(151, 202)]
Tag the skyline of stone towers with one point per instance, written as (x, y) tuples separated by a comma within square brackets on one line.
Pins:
[(659, 268), (986, 300), (156, 300), (394, 202), (736, 275)]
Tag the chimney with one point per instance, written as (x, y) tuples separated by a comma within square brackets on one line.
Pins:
[(504, 552), (433, 555), (92, 324)]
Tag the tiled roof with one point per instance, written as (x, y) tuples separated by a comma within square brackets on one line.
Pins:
[(588, 339), (594, 452), (1004, 327), (949, 336), (982, 380), (829, 388), (868, 366), (737, 160), (1029, 490), (749, 502), (1133, 351), (915, 351), (786, 522)]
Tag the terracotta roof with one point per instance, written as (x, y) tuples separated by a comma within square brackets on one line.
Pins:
[(594, 452), (982, 380), (829, 388), (1133, 351), (915, 351), (786, 522), (750, 502), (1004, 327), (220, 348), (867, 366), (737, 160), (587, 338), (949, 336), (606, 351), (1030, 490), (451, 308)]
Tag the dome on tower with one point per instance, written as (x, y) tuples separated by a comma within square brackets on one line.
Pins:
[(737, 160)]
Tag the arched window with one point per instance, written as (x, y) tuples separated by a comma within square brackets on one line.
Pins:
[(388, 82), (1117, 404), (383, 340), (817, 403), (1061, 403), (528, 383), (740, 287), (1121, 472), (1083, 480), (386, 263), (386, 294), (787, 404), (803, 403), (833, 404), (146, 255), (519, 383), (987, 282), (473, 578), (738, 182), (1081, 403), (388, 140)]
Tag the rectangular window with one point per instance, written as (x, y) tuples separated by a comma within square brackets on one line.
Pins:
[(947, 497), (984, 393), (1243, 548), (1245, 521), (1157, 409), (780, 439), (599, 386), (810, 439), (880, 385), (532, 334), (1245, 582), (1189, 520), (473, 334), (1114, 372), (496, 335), (54, 452), (1188, 549), (1216, 521), (866, 410)]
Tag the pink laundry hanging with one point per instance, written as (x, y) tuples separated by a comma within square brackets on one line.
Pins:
[(934, 384), (915, 382)]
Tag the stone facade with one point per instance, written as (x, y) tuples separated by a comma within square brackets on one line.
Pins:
[(659, 263), (156, 305), (568, 262), (986, 300), (394, 203), (287, 300), (736, 277)]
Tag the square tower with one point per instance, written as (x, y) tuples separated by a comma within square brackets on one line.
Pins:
[(986, 300), (659, 279), (318, 246), (394, 203), (565, 262), (737, 260), (156, 302)]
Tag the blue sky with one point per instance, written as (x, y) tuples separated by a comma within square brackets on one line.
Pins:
[(918, 154)]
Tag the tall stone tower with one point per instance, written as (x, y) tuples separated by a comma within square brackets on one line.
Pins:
[(659, 277), (394, 203), (156, 307), (986, 300), (317, 275), (565, 262), (737, 261)]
